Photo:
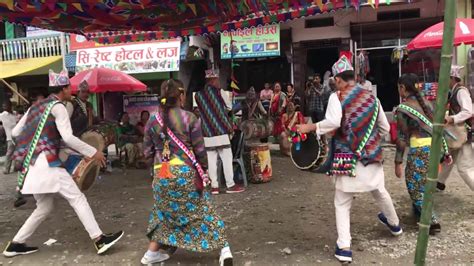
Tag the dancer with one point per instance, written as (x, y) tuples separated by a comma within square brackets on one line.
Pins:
[(460, 112), (45, 175), (182, 216), (366, 174), (216, 126), (414, 118)]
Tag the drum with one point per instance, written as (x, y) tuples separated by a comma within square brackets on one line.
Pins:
[(258, 162), (84, 172), (314, 154), (257, 128), (100, 136)]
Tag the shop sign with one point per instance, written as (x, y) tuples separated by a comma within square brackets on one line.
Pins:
[(37, 32), (134, 105), (260, 41), (78, 42), (134, 58)]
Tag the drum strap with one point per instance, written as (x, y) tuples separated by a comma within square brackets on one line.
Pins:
[(34, 142), (202, 174)]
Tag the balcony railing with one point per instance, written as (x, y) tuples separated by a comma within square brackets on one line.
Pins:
[(32, 47)]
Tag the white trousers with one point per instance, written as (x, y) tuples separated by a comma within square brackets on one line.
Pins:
[(45, 204), (463, 158), (343, 203), (226, 157)]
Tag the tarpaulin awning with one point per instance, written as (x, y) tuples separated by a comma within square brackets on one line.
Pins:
[(109, 21), (33, 66)]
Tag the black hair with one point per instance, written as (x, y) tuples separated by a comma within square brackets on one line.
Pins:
[(144, 112), (347, 75), (317, 75), (56, 89), (409, 81), (121, 116), (290, 84), (171, 90)]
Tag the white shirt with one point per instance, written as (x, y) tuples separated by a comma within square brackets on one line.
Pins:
[(368, 178), (464, 99), (42, 178), (9, 122)]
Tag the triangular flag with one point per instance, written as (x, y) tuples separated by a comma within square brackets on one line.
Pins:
[(78, 6), (371, 3), (387, 2), (320, 5), (193, 8), (234, 86), (235, 65), (376, 3)]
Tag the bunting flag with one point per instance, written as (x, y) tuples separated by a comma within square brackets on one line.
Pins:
[(108, 21), (234, 86)]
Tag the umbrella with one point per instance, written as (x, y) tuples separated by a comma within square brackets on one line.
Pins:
[(433, 36), (107, 80)]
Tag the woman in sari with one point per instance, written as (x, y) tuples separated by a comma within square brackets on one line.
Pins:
[(277, 107), (289, 120), (182, 215), (415, 134)]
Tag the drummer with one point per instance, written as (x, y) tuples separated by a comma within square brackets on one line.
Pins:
[(342, 116), (251, 108), (82, 117)]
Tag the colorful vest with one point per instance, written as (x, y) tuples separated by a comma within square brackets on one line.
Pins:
[(213, 112), (49, 141), (358, 108)]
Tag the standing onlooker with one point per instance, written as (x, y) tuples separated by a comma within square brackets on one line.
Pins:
[(217, 127), (315, 99), (266, 96), (9, 121), (292, 96), (277, 108)]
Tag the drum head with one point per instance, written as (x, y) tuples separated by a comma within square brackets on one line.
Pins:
[(94, 139), (307, 155), (86, 173)]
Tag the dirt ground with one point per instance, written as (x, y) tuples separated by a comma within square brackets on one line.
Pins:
[(294, 213)]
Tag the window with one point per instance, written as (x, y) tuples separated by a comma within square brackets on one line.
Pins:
[(320, 22), (400, 14)]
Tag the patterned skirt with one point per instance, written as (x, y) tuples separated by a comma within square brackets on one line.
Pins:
[(416, 173), (183, 218)]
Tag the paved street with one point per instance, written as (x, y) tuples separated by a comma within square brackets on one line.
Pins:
[(293, 213)]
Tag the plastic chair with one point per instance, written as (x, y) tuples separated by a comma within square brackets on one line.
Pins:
[(237, 144)]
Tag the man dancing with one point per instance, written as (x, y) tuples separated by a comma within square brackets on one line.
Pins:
[(460, 112), (45, 175), (216, 127), (358, 155)]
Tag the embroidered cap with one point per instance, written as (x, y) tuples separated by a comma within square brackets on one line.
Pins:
[(58, 79), (212, 73), (456, 71), (83, 86), (342, 65)]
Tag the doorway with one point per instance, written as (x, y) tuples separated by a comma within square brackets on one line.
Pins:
[(320, 60), (384, 74)]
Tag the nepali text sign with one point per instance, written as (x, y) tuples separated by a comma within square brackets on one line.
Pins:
[(134, 105), (133, 58), (254, 42)]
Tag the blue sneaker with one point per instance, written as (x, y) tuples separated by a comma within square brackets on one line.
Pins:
[(343, 255), (396, 230)]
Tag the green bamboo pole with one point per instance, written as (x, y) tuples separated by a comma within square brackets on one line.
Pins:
[(440, 110)]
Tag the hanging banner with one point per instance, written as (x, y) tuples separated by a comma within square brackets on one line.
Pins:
[(133, 58), (260, 41), (134, 105)]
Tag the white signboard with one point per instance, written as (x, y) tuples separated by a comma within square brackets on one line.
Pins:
[(133, 58)]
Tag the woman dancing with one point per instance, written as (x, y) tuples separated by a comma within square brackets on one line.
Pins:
[(182, 215), (414, 118)]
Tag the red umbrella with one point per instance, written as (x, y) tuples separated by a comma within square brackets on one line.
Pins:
[(105, 79), (433, 36)]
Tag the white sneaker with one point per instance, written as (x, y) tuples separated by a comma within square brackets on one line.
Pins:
[(154, 257), (226, 257)]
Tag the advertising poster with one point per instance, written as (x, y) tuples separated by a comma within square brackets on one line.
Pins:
[(260, 41), (133, 58), (135, 104)]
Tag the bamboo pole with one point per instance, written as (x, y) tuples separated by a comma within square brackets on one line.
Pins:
[(14, 91), (439, 115)]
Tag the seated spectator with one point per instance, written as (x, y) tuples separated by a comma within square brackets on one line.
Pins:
[(144, 117), (130, 141)]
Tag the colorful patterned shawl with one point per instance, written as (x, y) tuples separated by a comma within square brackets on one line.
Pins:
[(358, 108), (212, 108)]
